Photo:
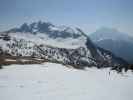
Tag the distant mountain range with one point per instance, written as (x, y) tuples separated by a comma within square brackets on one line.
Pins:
[(61, 44), (121, 44)]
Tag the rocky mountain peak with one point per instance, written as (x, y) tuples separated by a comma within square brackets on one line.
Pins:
[(46, 28)]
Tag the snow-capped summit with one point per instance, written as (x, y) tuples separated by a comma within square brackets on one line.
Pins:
[(46, 28)]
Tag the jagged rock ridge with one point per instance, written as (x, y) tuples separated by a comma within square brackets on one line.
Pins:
[(46, 28)]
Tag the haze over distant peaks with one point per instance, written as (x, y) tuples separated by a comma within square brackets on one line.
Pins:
[(121, 44)]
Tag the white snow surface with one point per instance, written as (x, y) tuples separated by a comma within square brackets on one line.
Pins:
[(42, 38), (51, 81)]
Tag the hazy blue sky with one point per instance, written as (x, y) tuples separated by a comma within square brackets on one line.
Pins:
[(86, 14)]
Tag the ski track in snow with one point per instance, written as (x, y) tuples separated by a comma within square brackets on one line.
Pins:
[(51, 81)]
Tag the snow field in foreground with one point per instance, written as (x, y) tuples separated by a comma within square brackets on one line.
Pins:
[(51, 81)]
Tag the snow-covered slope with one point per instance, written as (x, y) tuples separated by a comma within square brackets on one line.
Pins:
[(41, 38), (51, 81), (80, 57), (52, 45)]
